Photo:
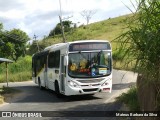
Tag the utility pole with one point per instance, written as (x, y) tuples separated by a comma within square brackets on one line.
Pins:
[(35, 37), (62, 27)]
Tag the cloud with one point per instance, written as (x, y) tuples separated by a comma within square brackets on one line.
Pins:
[(40, 16), (7, 5), (39, 24), (29, 15)]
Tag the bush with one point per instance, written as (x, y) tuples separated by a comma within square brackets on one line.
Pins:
[(17, 71), (130, 99)]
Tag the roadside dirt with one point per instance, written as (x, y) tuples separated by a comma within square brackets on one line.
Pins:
[(11, 97), (1, 100)]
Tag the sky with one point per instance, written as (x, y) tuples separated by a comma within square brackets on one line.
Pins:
[(39, 17)]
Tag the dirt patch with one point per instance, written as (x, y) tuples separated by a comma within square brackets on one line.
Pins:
[(1, 99), (11, 97)]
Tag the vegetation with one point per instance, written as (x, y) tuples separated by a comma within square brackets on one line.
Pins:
[(135, 41), (57, 30), (130, 99), (18, 71), (140, 46), (13, 43), (13, 46), (107, 30), (1, 26)]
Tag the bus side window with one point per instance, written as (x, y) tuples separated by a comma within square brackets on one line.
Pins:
[(51, 60), (57, 59), (54, 59)]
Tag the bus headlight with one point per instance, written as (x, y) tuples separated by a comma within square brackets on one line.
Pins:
[(106, 83), (73, 84)]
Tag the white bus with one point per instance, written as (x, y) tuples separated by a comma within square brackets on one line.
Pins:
[(74, 68)]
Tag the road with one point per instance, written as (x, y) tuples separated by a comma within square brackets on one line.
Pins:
[(33, 99)]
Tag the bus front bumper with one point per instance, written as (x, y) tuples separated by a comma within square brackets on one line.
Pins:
[(86, 90)]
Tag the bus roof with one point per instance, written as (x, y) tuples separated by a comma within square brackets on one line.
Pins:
[(55, 45), (88, 41), (67, 43)]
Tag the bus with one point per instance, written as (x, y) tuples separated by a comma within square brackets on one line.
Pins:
[(74, 68)]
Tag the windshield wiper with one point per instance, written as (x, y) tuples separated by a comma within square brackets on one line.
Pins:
[(103, 66)]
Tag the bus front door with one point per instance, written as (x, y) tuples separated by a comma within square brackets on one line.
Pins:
[(45, 76), (62, 75)]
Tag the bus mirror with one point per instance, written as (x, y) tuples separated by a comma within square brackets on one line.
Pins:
[(66, 60)]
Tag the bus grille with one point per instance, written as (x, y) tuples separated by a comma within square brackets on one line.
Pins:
[(90, 90), (90, 85), (90, 81)]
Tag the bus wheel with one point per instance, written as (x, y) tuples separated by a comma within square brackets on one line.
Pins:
[(58, 94), (39, 84)]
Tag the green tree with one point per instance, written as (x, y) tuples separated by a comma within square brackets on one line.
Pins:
[(14, 43), (57, 30), (34, 47), (1, 26), (140, 45), (6, 46), (18, 38), (1, 41)]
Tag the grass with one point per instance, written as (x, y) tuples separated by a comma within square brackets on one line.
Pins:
[(130, 99), (16, 77), (17, 71), (107, 30)]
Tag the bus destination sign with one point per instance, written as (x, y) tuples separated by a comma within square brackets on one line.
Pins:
[(89, 46)]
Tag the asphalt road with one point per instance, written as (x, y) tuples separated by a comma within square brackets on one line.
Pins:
[(33, 99)]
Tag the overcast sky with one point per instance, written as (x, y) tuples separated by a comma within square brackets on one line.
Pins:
[(40, 16)]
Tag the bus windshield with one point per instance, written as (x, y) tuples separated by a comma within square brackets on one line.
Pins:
[(89, 64)]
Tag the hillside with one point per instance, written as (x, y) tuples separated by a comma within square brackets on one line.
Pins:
[(107, 30)]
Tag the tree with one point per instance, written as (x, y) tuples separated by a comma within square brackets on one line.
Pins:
[(18, 39), (1, 41), (14, 43), (1, 26), (87, 14), (57, 30), (33, 48), (6, 46), (140, 46)]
